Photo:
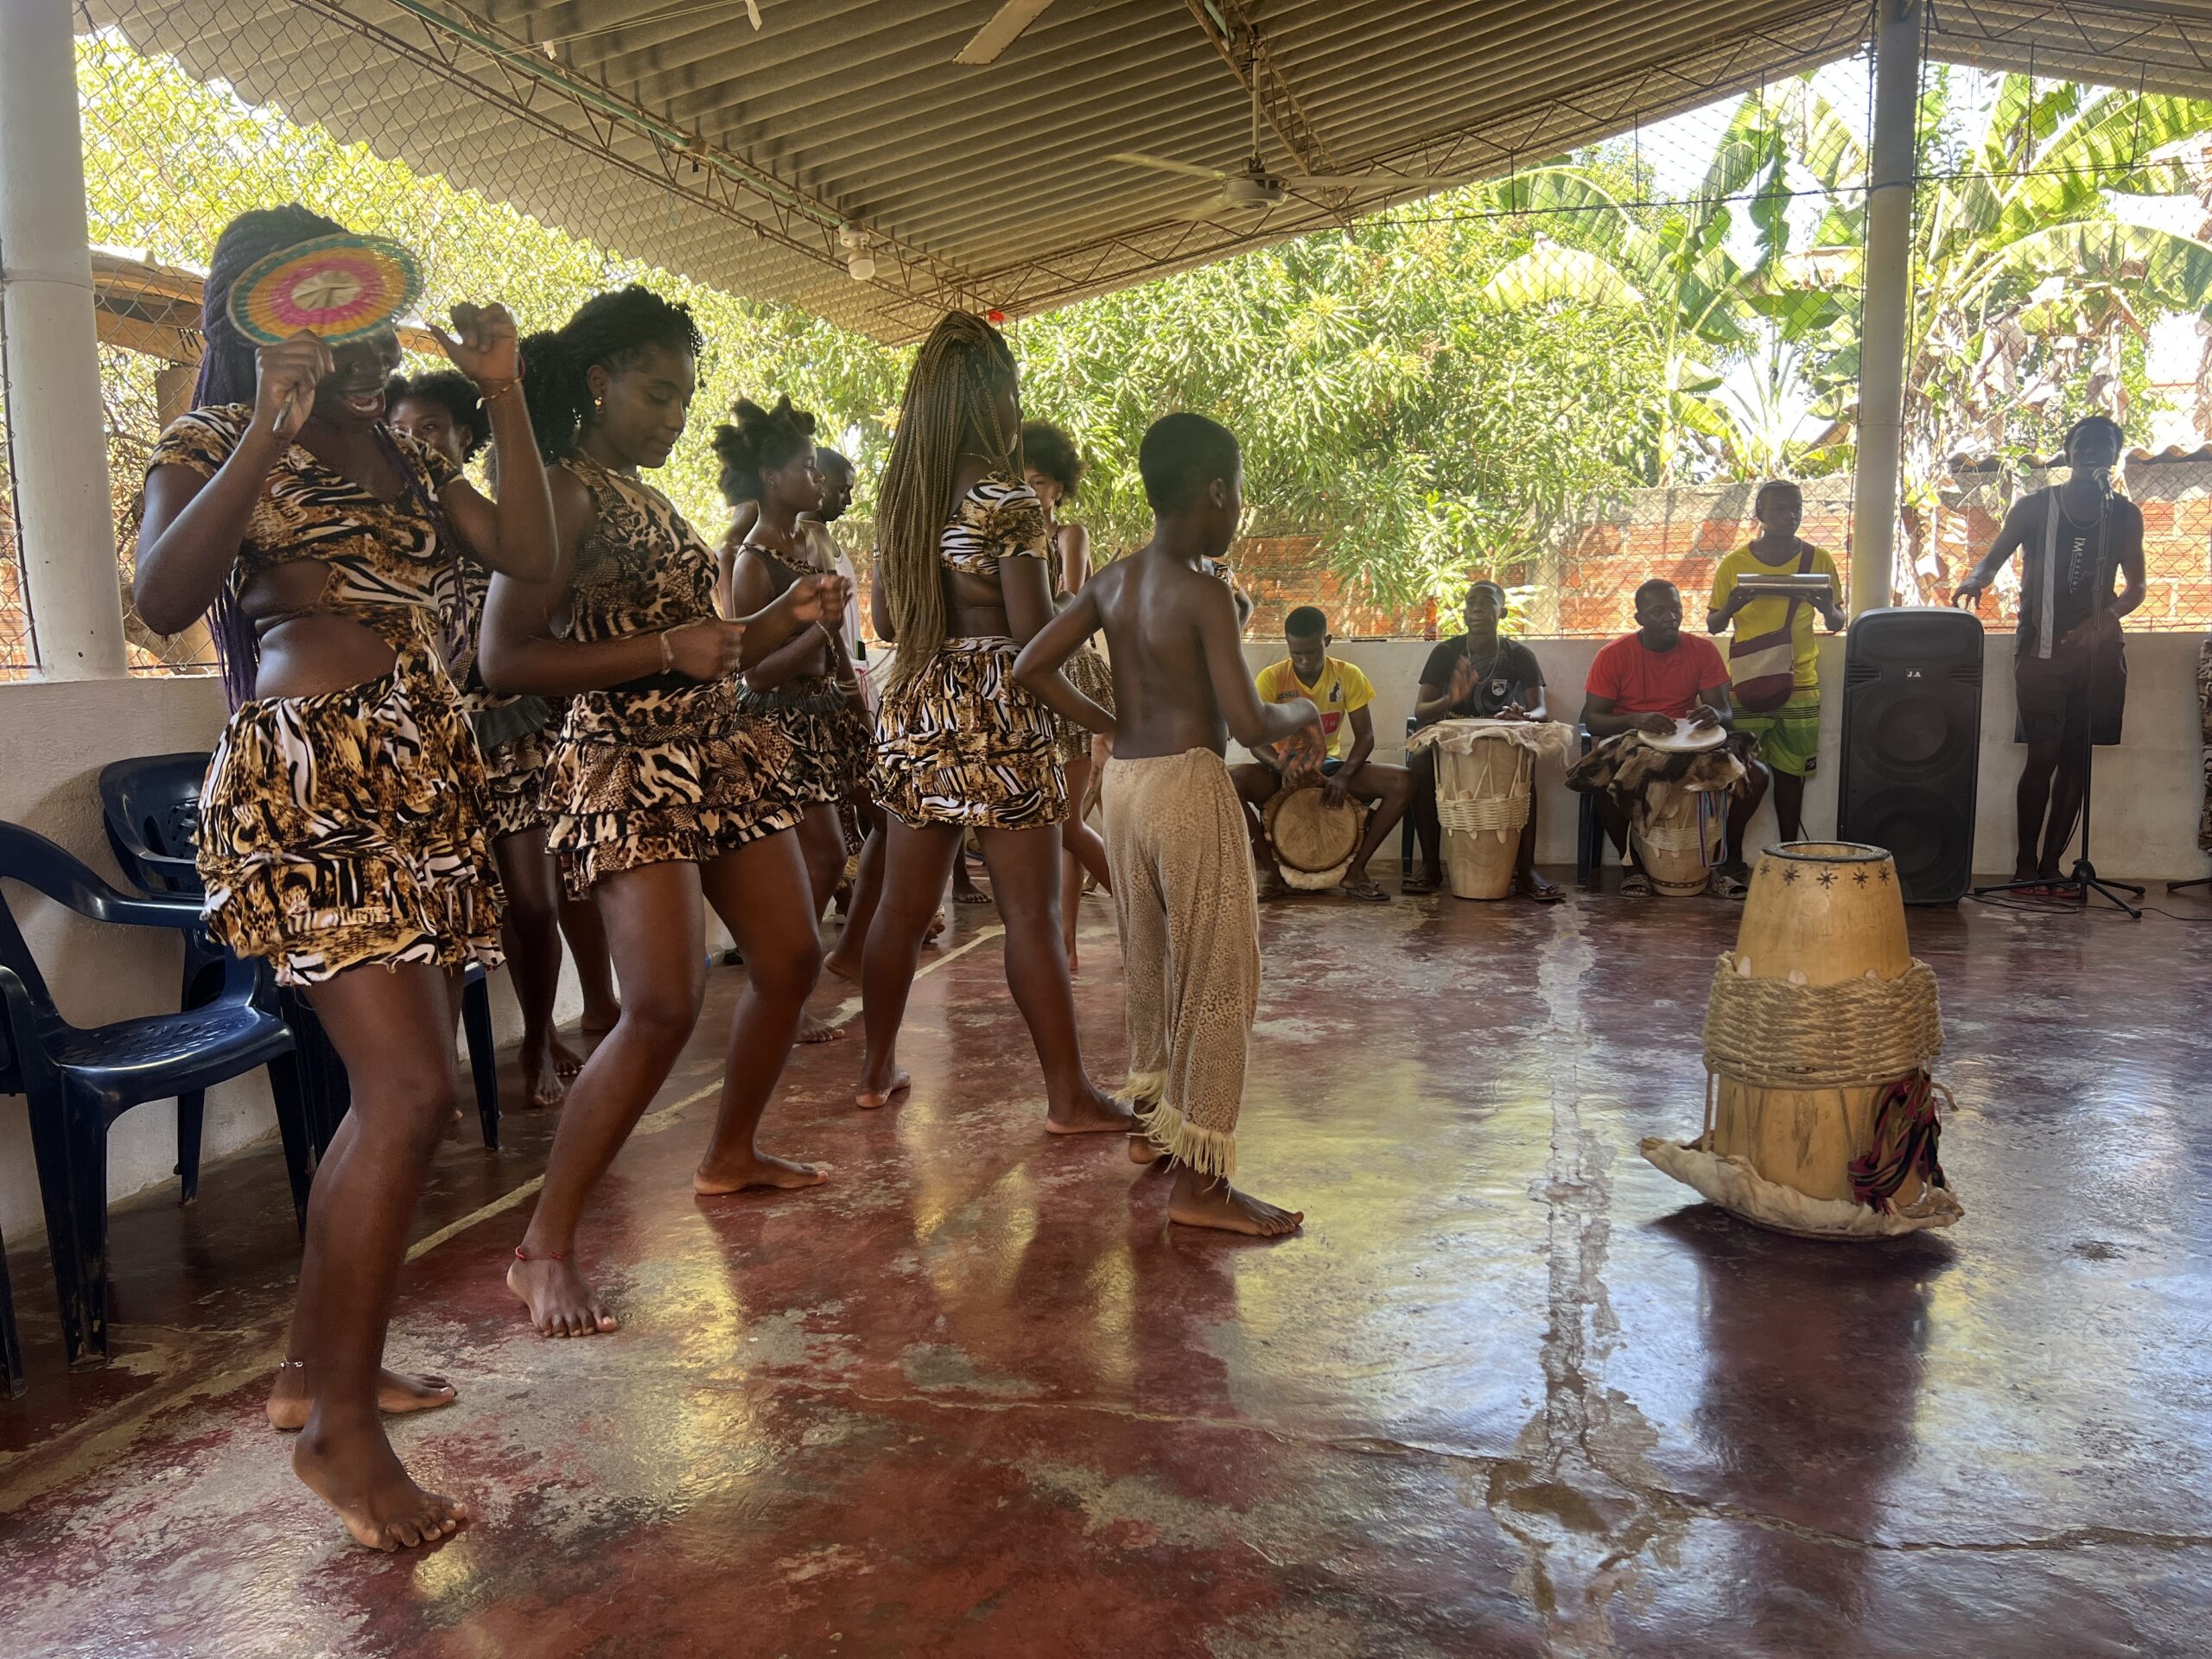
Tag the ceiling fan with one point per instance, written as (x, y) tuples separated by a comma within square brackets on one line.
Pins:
[(1004, 28), (1252, 189)]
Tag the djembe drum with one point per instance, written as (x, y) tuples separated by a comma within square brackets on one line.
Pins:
[(1483, 787), (1820, 1115), (1679, 842), (1314, 841)]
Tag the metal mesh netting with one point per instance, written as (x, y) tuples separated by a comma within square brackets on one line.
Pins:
[(1572, 377)]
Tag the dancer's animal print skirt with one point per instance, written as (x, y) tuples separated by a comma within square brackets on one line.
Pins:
[(514, 777), (1087, 672), (961, 743), (832, 740), (675, 775), (342, 829)]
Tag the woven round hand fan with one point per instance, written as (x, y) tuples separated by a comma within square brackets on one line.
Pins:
[(339, 287)]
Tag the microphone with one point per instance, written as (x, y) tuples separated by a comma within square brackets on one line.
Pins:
[(2102, 477)]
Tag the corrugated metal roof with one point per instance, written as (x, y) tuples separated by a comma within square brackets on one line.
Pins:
[(670, 131)]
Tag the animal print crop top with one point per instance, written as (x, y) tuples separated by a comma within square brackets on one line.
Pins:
[(996, 519), (640, 568), (391, 564)]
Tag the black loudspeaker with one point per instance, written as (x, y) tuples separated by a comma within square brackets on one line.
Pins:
[(1912, 745)]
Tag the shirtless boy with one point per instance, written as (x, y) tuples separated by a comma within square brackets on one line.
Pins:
[(1175, 836)]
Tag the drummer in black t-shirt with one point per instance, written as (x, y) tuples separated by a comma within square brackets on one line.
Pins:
[(1477, 675)]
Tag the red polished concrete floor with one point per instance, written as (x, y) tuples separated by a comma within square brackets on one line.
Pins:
[(1512, 1391)]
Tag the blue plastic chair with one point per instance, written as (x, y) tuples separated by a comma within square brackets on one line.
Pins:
[(78, 1081), (151, 805)]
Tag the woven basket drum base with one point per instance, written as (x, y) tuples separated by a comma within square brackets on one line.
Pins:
[(1737, 1187), (1310, 837)]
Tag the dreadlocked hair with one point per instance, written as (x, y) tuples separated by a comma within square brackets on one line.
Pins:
[(227, 371), (947, 412), (456, 393), (763, 440), (609, 331), (229, 374)]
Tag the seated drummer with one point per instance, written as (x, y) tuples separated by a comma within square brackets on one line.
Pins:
[(1342, 693), (1645, 682), (1477, 675)]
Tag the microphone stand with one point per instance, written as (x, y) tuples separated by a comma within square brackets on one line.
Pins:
[(2083, 879)]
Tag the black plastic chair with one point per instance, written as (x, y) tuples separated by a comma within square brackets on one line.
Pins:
[(151, 805), (1405, 824), (11, 1351), (78, 1081), (1589, 830)]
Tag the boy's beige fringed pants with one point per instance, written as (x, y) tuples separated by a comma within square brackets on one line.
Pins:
[(1190, 924)]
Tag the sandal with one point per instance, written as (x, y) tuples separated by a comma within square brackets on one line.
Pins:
[(1273, 887), (1542, 892), (1366, 890), (1418, 886), (1726, 885), (1636, 885)]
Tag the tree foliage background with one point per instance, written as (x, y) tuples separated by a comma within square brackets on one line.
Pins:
[(1441, 390)]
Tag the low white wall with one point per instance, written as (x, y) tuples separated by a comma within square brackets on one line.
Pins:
[(2148, 789), (54, 740)]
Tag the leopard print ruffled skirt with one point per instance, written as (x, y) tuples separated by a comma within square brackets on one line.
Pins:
[(961, 743), (1088, 672), (832, 740), (672, 775), (343, 829)]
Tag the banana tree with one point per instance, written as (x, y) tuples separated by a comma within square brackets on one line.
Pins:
[(1672, 267), (2032, 292)]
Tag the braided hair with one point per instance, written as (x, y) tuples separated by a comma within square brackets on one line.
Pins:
[(947, 412), (229, 374), (763, 440), (458, 394), (609, 331)]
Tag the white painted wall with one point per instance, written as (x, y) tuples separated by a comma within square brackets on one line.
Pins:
[(2148, 789), (54, 738)]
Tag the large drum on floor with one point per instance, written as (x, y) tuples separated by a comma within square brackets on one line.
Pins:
[(1817, 1041), (1679, 840), (1314, 841), (1483, 787)]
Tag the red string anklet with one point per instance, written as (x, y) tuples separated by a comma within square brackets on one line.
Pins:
[(521, 1255)]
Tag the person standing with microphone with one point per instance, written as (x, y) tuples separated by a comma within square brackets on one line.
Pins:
[(2069, 668)]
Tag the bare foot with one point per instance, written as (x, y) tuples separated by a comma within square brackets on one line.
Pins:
[(1145, 1150), (1092, 1112), (937, 926), (542, 1087), (597, 1022), (398, 1392), (872, 1099), (847, 967), (566, 1061), (355, 1472), (561, 1303), (1198, 1201), (756, 1169), (814, 1029)]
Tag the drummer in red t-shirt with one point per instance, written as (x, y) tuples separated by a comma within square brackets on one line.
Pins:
[(1645, 682)]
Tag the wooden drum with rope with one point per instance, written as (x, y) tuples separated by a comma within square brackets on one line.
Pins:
[(1483, 800), (1314, 841)]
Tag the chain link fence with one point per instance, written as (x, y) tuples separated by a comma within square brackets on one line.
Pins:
[(1571, 378)]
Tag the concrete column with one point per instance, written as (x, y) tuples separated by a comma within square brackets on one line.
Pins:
[(56, 429), (1888, 295)]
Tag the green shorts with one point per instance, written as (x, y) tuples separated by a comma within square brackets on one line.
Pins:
[(1790, 737)]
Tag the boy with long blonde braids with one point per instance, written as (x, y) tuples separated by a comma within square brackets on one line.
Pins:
[(961, 585)]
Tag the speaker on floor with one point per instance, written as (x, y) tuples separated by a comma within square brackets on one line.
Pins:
[(1912, 745)]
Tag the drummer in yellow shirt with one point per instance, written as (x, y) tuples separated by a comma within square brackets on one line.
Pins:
[(1342, 693), (1788, 727)]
